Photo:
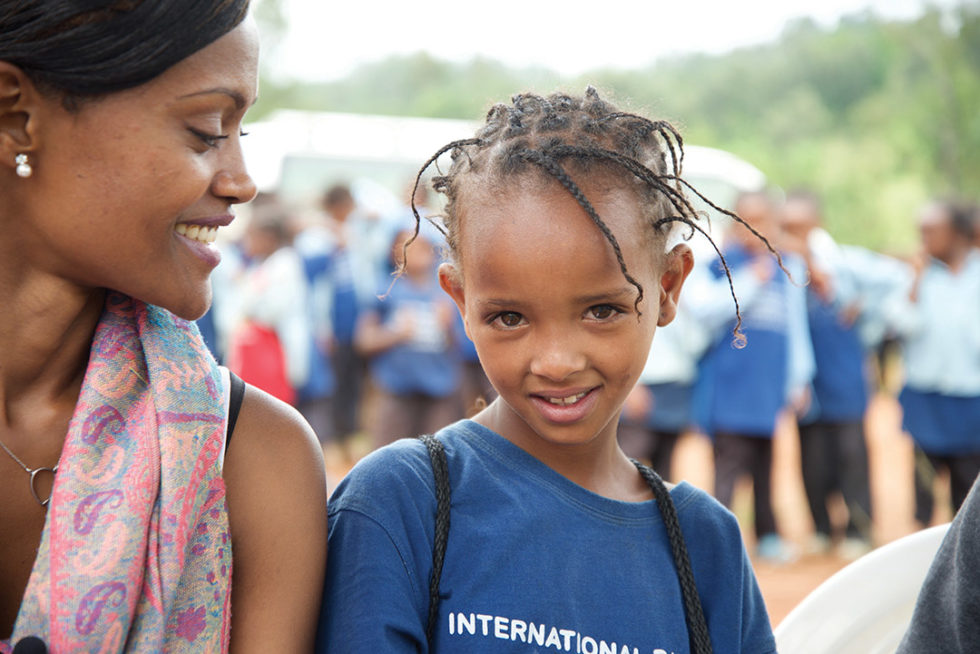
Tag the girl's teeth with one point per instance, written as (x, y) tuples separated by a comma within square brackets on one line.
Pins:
[(565, 401), (197, 232)]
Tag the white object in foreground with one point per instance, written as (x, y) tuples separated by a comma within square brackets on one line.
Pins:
[(866, 607)]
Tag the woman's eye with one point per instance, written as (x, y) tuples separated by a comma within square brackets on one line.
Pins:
[(210, 140), (509, 319), (602, 312)]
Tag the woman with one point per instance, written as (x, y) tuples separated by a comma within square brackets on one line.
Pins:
[(119, 158)]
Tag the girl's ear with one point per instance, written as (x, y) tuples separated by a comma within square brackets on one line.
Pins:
[(677, 266), (452, 282), (19, 107)]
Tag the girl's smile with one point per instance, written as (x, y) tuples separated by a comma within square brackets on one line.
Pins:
[(564, 407)]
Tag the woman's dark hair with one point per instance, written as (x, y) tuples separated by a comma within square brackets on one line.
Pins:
[(586, 135), (88, 48)]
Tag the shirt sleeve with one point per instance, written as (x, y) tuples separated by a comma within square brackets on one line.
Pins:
[(947, 612), (370, 603), (381, 529), (757, 631)]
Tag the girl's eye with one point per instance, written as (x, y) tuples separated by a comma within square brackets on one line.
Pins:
[(602, 312), (210, 140), (508, 319)]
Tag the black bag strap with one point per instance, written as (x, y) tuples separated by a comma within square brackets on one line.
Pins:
[(237, 394), (697, 626), (440, 471)]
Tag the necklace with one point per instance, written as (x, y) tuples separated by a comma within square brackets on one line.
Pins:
[(33, 472)]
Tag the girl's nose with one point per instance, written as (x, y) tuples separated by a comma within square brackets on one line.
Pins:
[(557, 359)]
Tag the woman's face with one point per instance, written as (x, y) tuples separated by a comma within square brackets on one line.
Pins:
[(128, 189)]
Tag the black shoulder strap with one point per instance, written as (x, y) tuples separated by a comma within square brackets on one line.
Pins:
[(237, 394), (440, 471), (697, 626)]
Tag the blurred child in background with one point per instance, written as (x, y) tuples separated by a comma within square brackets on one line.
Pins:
[(742, 392), (407, 335)]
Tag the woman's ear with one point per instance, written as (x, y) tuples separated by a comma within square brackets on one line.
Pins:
[(19, 106), (677, 266), (451, 282)]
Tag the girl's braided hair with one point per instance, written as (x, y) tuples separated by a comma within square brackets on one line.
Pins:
[(552, 135)]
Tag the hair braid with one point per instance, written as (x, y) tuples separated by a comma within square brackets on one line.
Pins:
[(586, 130), (440, 472)]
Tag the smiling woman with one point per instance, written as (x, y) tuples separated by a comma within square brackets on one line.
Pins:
[(124, 499)]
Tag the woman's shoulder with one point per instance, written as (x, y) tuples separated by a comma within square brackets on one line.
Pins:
[(273, 452), (269, 426)]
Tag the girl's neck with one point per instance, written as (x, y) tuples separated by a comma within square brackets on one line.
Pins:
[(599, 466)]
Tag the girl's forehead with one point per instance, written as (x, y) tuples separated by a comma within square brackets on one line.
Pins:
[(551, 209), (543, 223)]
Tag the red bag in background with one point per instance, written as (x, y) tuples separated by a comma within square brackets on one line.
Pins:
[(256, 355)]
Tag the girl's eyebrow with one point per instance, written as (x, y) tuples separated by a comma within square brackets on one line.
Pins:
[(616, 295), (622, 294)]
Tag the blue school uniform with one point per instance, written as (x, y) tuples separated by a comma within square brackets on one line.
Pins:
[(534, 562), (941, 338), (840, 382), (429, 363), (742, 391)]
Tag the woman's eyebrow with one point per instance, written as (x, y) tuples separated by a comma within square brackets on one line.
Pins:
[(238, 98)]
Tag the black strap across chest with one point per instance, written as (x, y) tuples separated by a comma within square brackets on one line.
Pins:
[(697, 627)]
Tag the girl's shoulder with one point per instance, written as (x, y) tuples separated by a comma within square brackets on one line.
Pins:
[(702, 515), (396, 474)]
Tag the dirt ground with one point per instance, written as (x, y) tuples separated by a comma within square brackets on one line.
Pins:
[(783, 586)]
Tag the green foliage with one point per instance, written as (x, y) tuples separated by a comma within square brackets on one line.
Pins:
[(875, 115)]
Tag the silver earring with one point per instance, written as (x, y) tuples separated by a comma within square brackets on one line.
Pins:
[(23, 168)]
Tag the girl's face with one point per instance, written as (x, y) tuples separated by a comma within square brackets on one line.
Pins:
[(551, 314), (128, 189)]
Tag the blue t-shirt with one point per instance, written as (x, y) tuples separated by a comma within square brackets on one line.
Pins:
[(534, 562), (428, 363)]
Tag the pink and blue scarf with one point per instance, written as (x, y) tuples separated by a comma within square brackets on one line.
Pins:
[(136, 554)]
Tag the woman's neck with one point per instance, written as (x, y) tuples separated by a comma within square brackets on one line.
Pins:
[(46, 331)]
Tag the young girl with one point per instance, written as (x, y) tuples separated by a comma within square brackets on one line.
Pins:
[(557, 223)]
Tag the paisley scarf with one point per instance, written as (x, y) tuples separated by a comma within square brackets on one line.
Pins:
[(135, 555)]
